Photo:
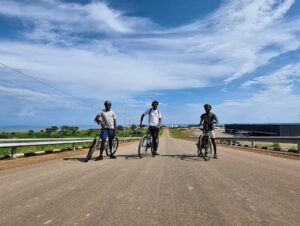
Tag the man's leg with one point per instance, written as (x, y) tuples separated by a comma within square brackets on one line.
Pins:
[(103, 136), (110, 140), (152, 132), (213, 140)]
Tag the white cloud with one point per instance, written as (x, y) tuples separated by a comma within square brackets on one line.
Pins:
[(128, 56), (287, 75), (58, 17)]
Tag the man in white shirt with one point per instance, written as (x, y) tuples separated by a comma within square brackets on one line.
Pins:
[(107, 119), (154, 124)]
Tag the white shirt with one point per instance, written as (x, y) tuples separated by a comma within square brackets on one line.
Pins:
[(154, 116), (107, 119)]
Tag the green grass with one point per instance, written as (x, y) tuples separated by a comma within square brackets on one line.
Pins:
[(7, 151), (178, 133), (90, 133)]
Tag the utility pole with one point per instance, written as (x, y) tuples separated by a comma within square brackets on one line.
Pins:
[(124, 123), (129, 118)]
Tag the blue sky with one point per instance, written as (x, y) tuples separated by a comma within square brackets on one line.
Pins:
[(59, 60)]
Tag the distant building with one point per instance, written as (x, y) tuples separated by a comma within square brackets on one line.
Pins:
[(280, 129)]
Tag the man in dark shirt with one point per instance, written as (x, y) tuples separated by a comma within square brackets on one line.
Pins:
[(208, 120)]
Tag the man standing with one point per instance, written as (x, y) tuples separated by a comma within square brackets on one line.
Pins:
[(107, 119), (208, 120), (154, 124)]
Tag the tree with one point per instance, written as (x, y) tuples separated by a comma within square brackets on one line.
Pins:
[(133, 127)]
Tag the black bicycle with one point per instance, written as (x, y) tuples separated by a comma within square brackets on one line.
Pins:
[(96, 146), (146, 144), (204, 145)]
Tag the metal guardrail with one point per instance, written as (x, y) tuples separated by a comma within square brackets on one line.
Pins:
[(15, 143), (252, 139)]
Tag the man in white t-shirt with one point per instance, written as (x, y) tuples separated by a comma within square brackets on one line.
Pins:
[(107, 119), (154, 124)]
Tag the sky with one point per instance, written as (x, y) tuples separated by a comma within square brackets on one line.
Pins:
[(61, 59)]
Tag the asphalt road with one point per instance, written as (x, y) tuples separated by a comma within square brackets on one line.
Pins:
[(177, 188)]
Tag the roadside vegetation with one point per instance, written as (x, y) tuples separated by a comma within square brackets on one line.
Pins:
[(63, 132), (179, 133)]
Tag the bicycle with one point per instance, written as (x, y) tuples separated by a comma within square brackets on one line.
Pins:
[(204, 145), (145, 144), (96, 146)]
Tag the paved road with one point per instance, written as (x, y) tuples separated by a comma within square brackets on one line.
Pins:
[(240, 188)]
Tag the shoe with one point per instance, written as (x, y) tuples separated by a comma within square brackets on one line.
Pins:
[(99, 158), (157, 154), (215, 157), (112, 157)]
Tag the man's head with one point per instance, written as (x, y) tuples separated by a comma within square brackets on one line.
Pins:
[(107, 105), (207, 108), (155, 104)]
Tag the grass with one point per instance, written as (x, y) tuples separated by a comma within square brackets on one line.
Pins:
[(7, 151), (178, 133)]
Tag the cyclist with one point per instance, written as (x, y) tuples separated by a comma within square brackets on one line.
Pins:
[(154, 124), (107, 119), (208, 120)]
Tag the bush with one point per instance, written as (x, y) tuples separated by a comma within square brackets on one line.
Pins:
[(276, 146)]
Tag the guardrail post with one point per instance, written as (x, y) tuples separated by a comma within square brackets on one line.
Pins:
[(13, 151), (74, 147), (298, 147), (252, 144)]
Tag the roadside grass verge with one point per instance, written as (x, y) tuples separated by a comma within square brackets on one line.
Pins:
[(179, 133), (7, 151)]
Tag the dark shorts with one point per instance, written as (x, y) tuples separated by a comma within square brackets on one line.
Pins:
[(107, 133)]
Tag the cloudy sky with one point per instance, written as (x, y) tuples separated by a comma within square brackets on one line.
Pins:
[(60, 59)]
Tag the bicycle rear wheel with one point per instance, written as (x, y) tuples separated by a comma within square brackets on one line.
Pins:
[(92, 149), (115, 145), (143, 146)]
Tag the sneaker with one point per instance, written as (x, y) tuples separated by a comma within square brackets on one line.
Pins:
[(99, 158), (112, 157), (215, 157), (157, 154)]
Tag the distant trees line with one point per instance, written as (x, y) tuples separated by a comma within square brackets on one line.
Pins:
[(71, 131)]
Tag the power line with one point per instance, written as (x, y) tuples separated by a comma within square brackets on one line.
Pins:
[(35, 79)]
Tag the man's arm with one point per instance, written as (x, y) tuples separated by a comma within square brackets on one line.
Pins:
[(97, 119), (159, 125), (215, 120), (201, 121), (142, 118), (115, 126)]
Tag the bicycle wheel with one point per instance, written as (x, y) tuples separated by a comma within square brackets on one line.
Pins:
[(143, 146), (92, 149), (199, 150), (207, 149), (115, 145)]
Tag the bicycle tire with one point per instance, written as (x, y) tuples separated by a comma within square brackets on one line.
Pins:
[(208, 150), (92, 149), (143, 146), (114, 148), (199, 151)]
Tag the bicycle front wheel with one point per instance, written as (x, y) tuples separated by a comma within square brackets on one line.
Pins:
[(208, 150), (143, 146), (115, 145), (92, 149)]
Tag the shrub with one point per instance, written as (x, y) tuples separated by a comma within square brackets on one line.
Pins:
[(276, 146)]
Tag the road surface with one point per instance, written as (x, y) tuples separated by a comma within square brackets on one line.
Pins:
[(177, 188)]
